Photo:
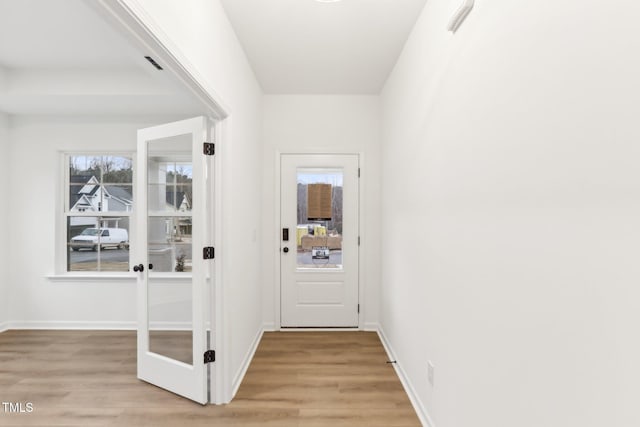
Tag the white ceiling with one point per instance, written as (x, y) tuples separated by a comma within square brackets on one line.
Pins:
[(304, 46), (61, 57)]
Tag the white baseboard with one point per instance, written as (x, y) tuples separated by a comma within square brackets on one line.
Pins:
[(95, 325), (423, 415), (239, 376), (170, 326), (4, 326), (269, 327), (70, 325), (371, 327)]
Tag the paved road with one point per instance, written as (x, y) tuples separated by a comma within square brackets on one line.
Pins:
[(83, 255), (117, 255)]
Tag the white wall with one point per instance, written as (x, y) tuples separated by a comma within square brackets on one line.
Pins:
[(203, 35), (35, 168), (510, 210), (5, 263), (332, 124)]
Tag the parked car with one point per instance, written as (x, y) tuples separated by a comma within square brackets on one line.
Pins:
[(105, 237)]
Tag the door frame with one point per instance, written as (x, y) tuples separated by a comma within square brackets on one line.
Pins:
[(141, 31), (277, 241)]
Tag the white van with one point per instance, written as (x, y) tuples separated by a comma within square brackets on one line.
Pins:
[(107, 237)]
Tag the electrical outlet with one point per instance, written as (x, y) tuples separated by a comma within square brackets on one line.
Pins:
[(430, 372)]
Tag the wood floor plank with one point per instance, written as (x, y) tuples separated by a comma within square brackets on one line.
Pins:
[(296, 379)]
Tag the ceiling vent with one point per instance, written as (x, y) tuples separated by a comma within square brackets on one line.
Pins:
[(153, 62)]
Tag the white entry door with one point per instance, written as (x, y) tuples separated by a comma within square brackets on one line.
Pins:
[(171, 230), (319, 240)]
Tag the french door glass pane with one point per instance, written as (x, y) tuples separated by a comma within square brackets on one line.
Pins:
[(169, 246), (170, 198), (169, 242)]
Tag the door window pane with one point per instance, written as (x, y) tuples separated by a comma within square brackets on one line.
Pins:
[(97, 243), (169, 246), (169, 242), (100, 184), (319, 230), (170, 175), (176, 345)]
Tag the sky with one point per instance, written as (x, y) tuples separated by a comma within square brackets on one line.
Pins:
[(331, 177)]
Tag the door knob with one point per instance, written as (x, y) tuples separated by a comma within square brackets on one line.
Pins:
[(138, 268), (285, 249)]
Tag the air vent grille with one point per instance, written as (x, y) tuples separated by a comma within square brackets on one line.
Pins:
[(153, 62)]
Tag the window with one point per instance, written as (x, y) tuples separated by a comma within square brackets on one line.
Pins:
[(319, 231), (98, 206)]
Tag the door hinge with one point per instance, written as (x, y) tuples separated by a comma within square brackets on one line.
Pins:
[(209, 252), (209, 356), (358, 240), (209, 149), (358, 308), (358, 172)]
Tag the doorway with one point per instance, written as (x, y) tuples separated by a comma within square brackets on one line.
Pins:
[(319, 236)]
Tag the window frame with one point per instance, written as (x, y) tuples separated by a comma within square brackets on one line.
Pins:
[(63, 213)]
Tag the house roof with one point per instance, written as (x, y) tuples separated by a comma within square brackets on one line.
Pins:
[(77, 182), (82, 186), (119, 192), (82, 182), (175, 199), (79, 179)]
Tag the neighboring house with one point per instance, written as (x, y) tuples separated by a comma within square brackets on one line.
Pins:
[(173, 198), (86, 195), (179, 201)]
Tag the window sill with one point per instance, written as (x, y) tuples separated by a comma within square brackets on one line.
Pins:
[(98, 278), (120, 278)]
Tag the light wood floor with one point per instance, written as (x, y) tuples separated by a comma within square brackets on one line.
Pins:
[(87, 378)]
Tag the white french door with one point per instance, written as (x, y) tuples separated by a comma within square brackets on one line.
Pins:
[(319, 240), (172, 232)]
